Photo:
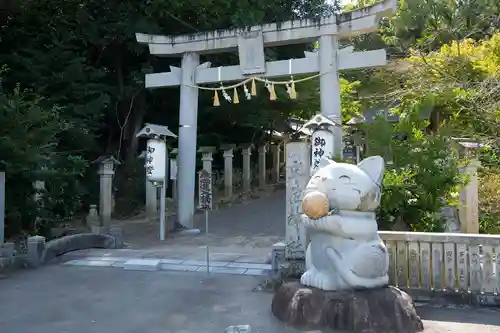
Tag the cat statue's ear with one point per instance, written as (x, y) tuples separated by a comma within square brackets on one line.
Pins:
[(374, 167), (324, 161)]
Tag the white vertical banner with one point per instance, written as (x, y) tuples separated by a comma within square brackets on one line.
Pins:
[(322, 145), (155, 163)]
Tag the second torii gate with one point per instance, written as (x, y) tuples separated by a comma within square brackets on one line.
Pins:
[(250, 44)]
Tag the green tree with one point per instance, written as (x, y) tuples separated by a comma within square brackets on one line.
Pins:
[(422, 171), (29, 150)]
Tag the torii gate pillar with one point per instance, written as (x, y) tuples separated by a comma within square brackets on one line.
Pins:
[(329, 86), (188, 120)]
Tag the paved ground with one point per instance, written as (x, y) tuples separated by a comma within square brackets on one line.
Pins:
[(245, 228), (60, 299), (222, 263), (178, 297)]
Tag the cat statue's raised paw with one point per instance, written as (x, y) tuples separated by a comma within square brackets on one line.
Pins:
[(345, 251)]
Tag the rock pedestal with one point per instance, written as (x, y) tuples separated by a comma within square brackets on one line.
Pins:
[(381, 310)]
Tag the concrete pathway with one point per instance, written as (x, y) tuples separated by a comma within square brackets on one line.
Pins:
[(231, 265), (247, 228), (70, 299)]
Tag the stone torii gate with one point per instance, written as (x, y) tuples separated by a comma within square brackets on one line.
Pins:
[(250, 44)]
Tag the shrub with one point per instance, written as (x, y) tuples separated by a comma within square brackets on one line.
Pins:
[(489, 201), (29, 135), (421, 172)]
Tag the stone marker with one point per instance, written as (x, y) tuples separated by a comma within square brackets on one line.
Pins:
[(345, 283)]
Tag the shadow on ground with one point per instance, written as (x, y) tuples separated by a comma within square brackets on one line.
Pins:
[(60, 299), (256, 224), (481, 316)]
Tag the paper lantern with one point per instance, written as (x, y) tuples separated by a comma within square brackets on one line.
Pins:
[(315, 205), (156, 160)]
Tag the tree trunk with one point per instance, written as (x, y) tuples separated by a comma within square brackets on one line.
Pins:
[(133, 127)]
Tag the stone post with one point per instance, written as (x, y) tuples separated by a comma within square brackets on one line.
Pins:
[(329, 86), (228, 169), (151, 200), (297, 177), (262, 165), (36, 246), (246, 151), (469, 201), (358, 143), (39, 187), (173, 173), (207, 157), (106, 173), (276, 162), (93, 217)]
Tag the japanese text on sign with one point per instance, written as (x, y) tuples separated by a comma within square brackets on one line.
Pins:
[(322, 146), (149, 160), (205, 189), (318, 150)]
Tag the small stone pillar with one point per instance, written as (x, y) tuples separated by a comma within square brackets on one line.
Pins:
[(468, 211), (2, 206), (174, 164), (275, 149), (246, 151), (262, 165), (93, 217), (151, 194), (151, 200), (228, 169), (357, 137), (106, 173), (207, 157), (36, 246), (39, 187)]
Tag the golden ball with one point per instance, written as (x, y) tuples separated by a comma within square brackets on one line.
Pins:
[(315, 205)]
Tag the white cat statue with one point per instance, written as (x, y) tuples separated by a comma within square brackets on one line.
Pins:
[(345, 251)]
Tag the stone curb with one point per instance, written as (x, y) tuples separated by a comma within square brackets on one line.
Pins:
[(141, 264), (8, 257), (41, 252)]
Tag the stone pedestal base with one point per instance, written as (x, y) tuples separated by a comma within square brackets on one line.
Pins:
[(382, 310)]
